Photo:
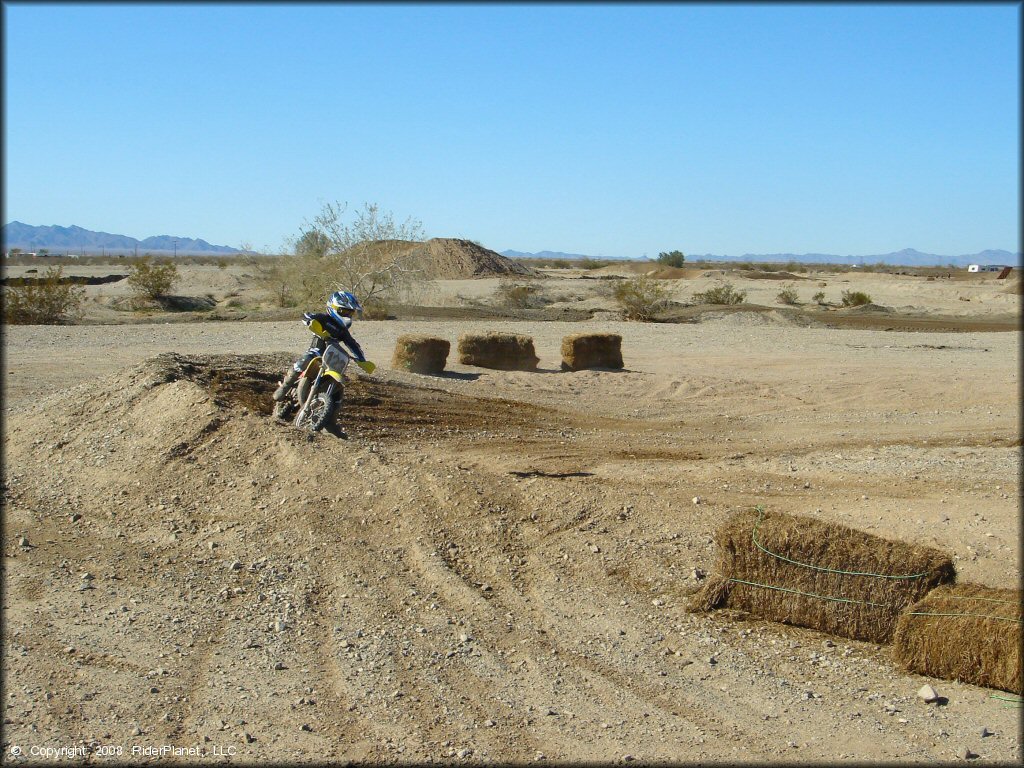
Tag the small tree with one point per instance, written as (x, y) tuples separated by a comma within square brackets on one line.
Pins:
[(312, 243), (371, 256), (672, 258), (641, 298), (152, 280), (48, 300)]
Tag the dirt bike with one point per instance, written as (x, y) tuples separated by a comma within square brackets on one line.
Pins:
[(318, 393)]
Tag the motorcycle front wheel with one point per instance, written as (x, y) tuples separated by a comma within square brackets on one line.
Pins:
[(320, 412)]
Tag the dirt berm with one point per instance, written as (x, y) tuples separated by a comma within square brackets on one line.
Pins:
[(447, 577)]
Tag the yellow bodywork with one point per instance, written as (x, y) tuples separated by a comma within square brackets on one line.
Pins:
[(310, 371), (318, 329)]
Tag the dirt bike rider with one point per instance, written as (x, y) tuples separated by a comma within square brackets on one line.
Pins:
[(336, 321)]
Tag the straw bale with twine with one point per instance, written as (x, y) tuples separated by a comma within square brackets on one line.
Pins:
[(591, 350), (501, 351), (965, 632), (801, 571), (420, 354)]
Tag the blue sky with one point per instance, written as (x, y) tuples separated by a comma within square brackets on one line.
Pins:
[(613, 130)]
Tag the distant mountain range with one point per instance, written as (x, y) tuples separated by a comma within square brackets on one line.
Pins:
[(907, 257), (75, 239)]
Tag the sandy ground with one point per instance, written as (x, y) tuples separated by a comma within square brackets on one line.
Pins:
[(487, 566)]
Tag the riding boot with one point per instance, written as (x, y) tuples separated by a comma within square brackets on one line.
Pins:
[(286, 384)]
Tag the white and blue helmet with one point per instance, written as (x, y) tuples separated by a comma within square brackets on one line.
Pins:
[(341, 300)]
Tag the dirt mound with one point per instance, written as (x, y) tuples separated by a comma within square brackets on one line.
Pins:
[(454, 259), (870, 308), (669, 273), (648, 268), (750, 318), (1015, 287), (756, 274)]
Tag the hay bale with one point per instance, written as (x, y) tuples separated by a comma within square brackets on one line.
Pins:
[(825, 576), (502, 351), (964, 632), (591, 350), (420, 354)]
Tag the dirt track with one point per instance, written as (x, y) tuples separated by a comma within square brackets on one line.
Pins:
[(487, 565)]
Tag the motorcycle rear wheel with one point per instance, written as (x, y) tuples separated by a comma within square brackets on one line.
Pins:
[(284, 409)]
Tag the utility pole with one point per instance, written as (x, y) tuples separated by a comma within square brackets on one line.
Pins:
[(175, 247)]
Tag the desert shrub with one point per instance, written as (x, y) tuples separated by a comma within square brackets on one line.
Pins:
[(376, 309), (672, 258), (235, 303), (48, 301), (519, 296), (819, 297), (641, 298), (150, 279), (720, 294), (276, 277), (787, 296), (855, 298), (468, 301), (589, 263)]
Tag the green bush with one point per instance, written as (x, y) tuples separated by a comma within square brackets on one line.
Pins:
[(855, 298), (641, 298), (722, 294), (672, 258), (819, 297), (152, 280), (787, 296), (48, 301)]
